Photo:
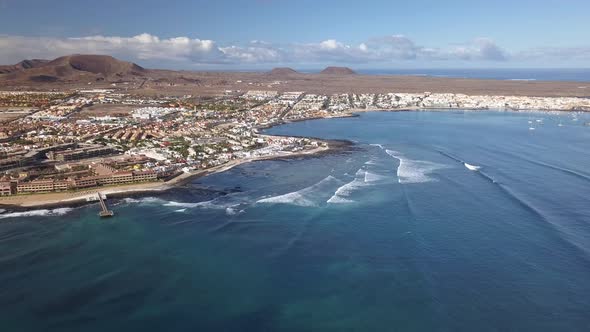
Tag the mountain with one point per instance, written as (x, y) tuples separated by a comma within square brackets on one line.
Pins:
[(25, 64), (282, 71), (337, 71), (77, 67)]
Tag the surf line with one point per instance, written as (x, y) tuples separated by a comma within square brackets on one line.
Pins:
[(470, 167), (413, 171)]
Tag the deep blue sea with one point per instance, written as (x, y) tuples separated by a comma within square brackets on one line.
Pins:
[(525, 74), (394, 233)]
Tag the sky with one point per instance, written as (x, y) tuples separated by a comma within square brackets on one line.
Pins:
[(252, 34)]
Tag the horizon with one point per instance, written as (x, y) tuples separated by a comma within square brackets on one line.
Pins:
[(305, 69)]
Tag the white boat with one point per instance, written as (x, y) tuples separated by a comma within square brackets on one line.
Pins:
[(472, 167), (531, 128)]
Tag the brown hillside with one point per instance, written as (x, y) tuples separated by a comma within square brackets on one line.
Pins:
[(337, 71), (76, 67), (25, 64)]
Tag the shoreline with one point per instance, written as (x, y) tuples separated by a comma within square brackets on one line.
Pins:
[(52, 200)]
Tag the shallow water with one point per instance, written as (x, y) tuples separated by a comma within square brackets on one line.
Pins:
[(395, 234)]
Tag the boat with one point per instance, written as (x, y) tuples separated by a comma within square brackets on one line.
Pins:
[(472, 167)]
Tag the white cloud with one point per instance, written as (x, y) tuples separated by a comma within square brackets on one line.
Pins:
[(149, 47), (480, 49), (254, 52), (185, 51), (140, 47), (330, 44)]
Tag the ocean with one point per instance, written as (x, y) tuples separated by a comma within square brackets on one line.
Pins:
[(430, 221), (508, 74)]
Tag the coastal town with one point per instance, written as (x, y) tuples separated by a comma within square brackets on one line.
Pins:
[(69, 141)]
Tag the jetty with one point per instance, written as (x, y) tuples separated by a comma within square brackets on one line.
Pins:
[(104, 212)]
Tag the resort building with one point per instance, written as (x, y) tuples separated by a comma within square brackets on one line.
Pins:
[(82, 153)]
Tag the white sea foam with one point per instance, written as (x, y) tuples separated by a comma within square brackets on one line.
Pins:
[(180, 210), (413, 171), (303, 197), (339, 200), (343, 192), (230, 211), (472, 167), (130, 200), (371, 162), (212, 204), (350, 187), (37, 213), (372, 177), (294, 198), (184, 205), (148, 200), (378, 145)]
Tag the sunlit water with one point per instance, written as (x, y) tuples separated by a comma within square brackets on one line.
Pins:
[(395, 234)]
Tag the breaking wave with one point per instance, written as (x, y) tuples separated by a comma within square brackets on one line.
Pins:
[(37, 213), (304, 197), (413, 171), (179, 206), (190, 205), (232, 211), (339, 200), (294, 198), (372, 177), (472, 167), (342, 193)]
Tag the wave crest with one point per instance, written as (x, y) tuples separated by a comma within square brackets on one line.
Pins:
[(306, 197), (413, 171), (37, 213)]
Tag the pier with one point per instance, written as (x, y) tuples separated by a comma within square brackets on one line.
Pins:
[(105, 212)]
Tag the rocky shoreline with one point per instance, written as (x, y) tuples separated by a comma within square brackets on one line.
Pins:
[(76, 199)]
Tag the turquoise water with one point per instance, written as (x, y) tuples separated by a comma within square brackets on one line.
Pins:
[(393, 234)]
